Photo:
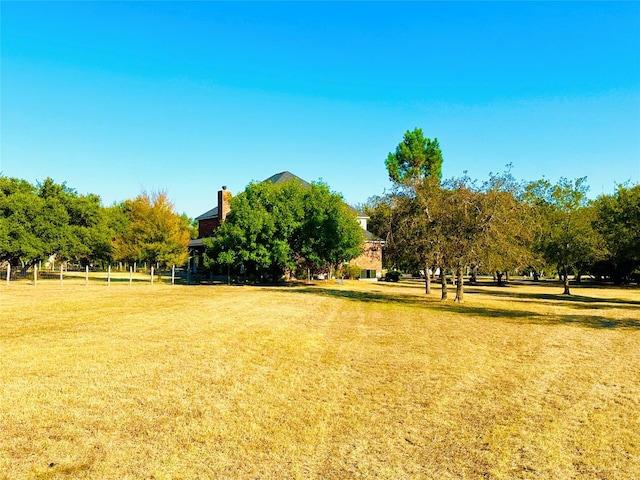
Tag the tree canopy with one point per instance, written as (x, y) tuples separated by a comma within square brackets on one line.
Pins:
[(456, 225), (415, 158), (50, 219), (565, 235), (617, 219), (152, 232), (273, 228)]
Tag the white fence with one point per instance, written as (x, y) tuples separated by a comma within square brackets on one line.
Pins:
[(88, 276)]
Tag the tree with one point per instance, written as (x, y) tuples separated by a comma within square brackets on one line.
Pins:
[(274, 228), (618, 221), (460, 224), (415, 158), (418, 228), (406, 220), (508, 236), (50, 219), (464, 223), (454, 225), (256, 234), (154, 233), (415, 169), (19, 209), (330, 233), (565, 236)]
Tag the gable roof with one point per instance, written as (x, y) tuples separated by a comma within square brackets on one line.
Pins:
[(213, 213), (277, 178), (370, 237), (286, 177)]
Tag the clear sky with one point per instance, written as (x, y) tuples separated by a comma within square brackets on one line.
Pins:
[(116, 97)]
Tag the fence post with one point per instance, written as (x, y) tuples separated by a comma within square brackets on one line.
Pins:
[(35, 275), (86, 275), (109, 276), (8, 273), (151, 274), (130, 276)]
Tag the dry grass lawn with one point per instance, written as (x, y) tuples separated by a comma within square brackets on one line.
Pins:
[(362, 380)]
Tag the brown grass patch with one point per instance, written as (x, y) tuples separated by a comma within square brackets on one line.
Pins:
[(362, 380)]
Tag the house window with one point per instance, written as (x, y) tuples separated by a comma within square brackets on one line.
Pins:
[(367, 273)]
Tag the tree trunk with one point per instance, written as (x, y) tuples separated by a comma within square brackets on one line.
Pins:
[(565, 281), (443, 283), (499, 275), (474, 275), (427, 279), (459, 286)]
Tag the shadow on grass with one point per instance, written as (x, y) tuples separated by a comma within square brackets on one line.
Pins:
[(509, 314), (592, 321), (581, 301)]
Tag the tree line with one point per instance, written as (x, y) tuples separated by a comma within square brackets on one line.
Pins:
[(272, 229), (459, 225), (52, 220), (501, 225)]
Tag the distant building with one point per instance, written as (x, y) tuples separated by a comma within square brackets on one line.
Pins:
[(370, 262)]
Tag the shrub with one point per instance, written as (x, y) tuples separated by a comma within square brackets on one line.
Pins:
[(352, 272), (392, 276)]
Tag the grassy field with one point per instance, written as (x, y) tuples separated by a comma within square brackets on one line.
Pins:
[(361, 380)]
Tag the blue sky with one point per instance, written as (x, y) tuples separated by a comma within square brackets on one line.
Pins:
[(116, 97)]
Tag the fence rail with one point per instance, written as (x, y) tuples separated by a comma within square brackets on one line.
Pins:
[(95, 276)]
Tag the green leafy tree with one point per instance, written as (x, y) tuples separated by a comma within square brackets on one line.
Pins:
[(417, 228), (20, 207), (459, 224), (415, 158), (330, 233), (80, 231), (50, 219), (274, 228), (565, 235), (463, 223), (415, 168), (256, 234), (618, 221)]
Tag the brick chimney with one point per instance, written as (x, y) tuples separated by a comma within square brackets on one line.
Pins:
[(224, 199)]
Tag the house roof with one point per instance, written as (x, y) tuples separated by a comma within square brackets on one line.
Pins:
[(196, 242), (213, 213), (277, 179), (370, 237), (285, 177)]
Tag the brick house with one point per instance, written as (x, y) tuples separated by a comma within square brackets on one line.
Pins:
[(370, 262)]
